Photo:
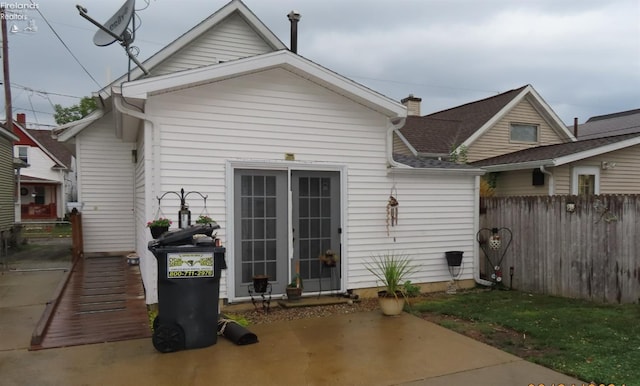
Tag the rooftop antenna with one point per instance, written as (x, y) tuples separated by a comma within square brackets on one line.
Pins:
[(115, 29)]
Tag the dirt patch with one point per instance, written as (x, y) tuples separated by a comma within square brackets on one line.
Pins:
[(506, 339)]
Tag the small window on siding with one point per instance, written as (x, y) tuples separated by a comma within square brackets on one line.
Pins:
[(524, 133), (585, 181), (23, 153)]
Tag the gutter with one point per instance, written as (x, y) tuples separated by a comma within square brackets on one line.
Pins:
[(394, 124), (551, 181)]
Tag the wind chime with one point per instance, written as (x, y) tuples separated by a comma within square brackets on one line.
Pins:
[(392, 209)]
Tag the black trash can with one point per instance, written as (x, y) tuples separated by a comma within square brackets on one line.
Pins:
[(189, 270)]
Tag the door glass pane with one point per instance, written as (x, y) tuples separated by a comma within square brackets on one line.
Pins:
[(258, 226), (303, 187)]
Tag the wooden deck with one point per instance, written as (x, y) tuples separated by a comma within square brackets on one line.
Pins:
[(102, 301)]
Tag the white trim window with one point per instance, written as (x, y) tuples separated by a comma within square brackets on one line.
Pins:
[(585, 180), (523, 132), (23, 153)]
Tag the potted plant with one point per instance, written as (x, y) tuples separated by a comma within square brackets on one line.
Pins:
[(204, 220), (158, 226), (392, 270), (329, 258), (294, 289)]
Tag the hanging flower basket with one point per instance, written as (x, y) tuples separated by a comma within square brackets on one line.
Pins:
[(159, 226)]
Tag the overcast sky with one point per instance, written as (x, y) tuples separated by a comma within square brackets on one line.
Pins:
[(582, 56)]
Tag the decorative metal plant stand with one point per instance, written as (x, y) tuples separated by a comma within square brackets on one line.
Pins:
[(454, 263), (264, 295), (494, 243)]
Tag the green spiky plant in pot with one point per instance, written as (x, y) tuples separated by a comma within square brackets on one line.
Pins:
[(392, 270)]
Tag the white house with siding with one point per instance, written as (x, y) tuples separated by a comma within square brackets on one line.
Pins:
[(294, 159)]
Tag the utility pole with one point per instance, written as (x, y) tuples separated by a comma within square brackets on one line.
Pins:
[(5, 67)]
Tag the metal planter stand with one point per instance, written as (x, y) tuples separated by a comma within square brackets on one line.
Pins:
[(495, 242)]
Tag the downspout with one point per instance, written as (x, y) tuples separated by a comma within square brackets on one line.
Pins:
[(551, 182), (394, 124), (149, 280), (476, 229)]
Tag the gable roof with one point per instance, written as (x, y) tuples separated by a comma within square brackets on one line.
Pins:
[(234, 6), (610, 124), (143, 88), (559, 154), (67, 131), (443, 131), (59, 153), (55, 150)]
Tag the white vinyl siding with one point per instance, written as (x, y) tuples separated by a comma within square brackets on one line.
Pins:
[(265, 115), (105, 173), (231, 39)]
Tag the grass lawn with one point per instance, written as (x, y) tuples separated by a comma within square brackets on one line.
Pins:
[(46, 230), (592, 342)]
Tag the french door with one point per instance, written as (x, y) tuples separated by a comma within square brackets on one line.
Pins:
[(263, 236)]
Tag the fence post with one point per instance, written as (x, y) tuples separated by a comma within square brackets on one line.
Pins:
[(77, 247)]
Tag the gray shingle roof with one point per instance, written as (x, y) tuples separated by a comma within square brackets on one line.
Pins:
[(611, 124), (548, 152), (440, 132), (429, 163)]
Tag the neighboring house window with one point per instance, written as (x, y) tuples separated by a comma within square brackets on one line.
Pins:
[(23, 153), (586, 180), (524, 133)]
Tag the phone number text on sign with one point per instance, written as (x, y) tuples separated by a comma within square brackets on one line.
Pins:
[(195, 264)]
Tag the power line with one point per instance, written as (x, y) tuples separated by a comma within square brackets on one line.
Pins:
[(65, 45), (26, 88)]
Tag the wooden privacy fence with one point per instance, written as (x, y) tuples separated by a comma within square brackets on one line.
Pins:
[(572, 246)]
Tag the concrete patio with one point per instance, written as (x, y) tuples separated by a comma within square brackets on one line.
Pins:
[(356, 349)]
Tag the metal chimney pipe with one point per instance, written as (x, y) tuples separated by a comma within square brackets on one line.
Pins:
[(575, 127), (294, 18)]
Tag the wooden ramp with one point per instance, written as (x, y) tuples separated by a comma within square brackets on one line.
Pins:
[(102, 300)]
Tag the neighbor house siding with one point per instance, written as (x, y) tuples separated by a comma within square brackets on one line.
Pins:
[(399, 147), (7, 184), (264, 115), (106, 174), (519, 183), (624, 178), (231, 39), (496, 141)]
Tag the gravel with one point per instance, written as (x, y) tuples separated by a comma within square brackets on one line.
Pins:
[(277, 313)]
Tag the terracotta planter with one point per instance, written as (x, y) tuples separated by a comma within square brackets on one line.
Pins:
[(158, 231), (294, 293), (389, 304)]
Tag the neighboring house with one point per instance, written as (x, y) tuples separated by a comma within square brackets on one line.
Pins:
[(606, 165), (8, 167), (624, 122), (527, 150), (50, 181), (514, 120), (294, 159)]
